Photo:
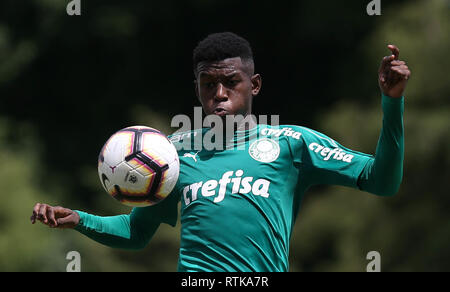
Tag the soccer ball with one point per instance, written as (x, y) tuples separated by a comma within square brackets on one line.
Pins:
[(138, 166)]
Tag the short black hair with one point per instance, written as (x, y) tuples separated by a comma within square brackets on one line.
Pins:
[(221, 46)]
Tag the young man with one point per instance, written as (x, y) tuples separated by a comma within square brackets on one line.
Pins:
[(238, 206)]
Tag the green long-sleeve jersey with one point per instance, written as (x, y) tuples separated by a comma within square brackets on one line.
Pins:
[(239, 204)]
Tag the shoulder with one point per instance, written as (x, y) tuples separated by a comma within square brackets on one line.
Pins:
[(187, 140), (180, 136), (300, 139), (294, 132)]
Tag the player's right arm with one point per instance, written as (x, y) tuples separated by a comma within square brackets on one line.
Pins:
[(128, 231)]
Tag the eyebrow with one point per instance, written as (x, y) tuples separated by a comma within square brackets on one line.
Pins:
[(230, 75)]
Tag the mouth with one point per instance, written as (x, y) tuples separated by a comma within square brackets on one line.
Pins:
[(220, 112)]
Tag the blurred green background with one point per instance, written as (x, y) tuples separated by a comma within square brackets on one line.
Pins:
[(68, 83)]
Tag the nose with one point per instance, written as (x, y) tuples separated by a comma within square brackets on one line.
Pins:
[(221, 92)]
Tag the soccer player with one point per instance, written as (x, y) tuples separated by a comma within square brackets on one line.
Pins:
[(238, 207)]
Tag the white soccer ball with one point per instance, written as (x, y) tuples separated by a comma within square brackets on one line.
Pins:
[(138, 166)]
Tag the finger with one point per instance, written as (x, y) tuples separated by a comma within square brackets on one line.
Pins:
[(395, 51), (35, 213), (60, 212), (402, 73), (402, 68), (62, 221), (42, 215), (67, 221), (385, 65), (51, 217), (397, 63), (387, 60)]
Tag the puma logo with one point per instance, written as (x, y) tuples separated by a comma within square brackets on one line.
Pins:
[(193, 156)]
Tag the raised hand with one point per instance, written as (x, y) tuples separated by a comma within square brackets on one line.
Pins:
[(393, 74)]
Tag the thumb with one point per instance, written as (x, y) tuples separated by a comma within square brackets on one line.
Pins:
[(69, 221)]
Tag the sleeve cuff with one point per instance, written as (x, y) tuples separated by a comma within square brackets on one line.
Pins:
[(392, 100), (392, 105), (80, 225)]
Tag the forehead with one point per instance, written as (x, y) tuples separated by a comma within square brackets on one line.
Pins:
[(225, 67)]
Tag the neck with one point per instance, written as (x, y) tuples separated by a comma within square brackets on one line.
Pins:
[(245, 124), (227, 132), (232, 124)]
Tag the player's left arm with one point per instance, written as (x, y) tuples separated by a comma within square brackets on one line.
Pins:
[(383, 174)]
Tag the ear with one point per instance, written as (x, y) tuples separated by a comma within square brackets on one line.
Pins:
[(256, 84)]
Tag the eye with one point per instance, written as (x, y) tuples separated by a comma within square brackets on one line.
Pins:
[(209, 85), (232, 82)]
